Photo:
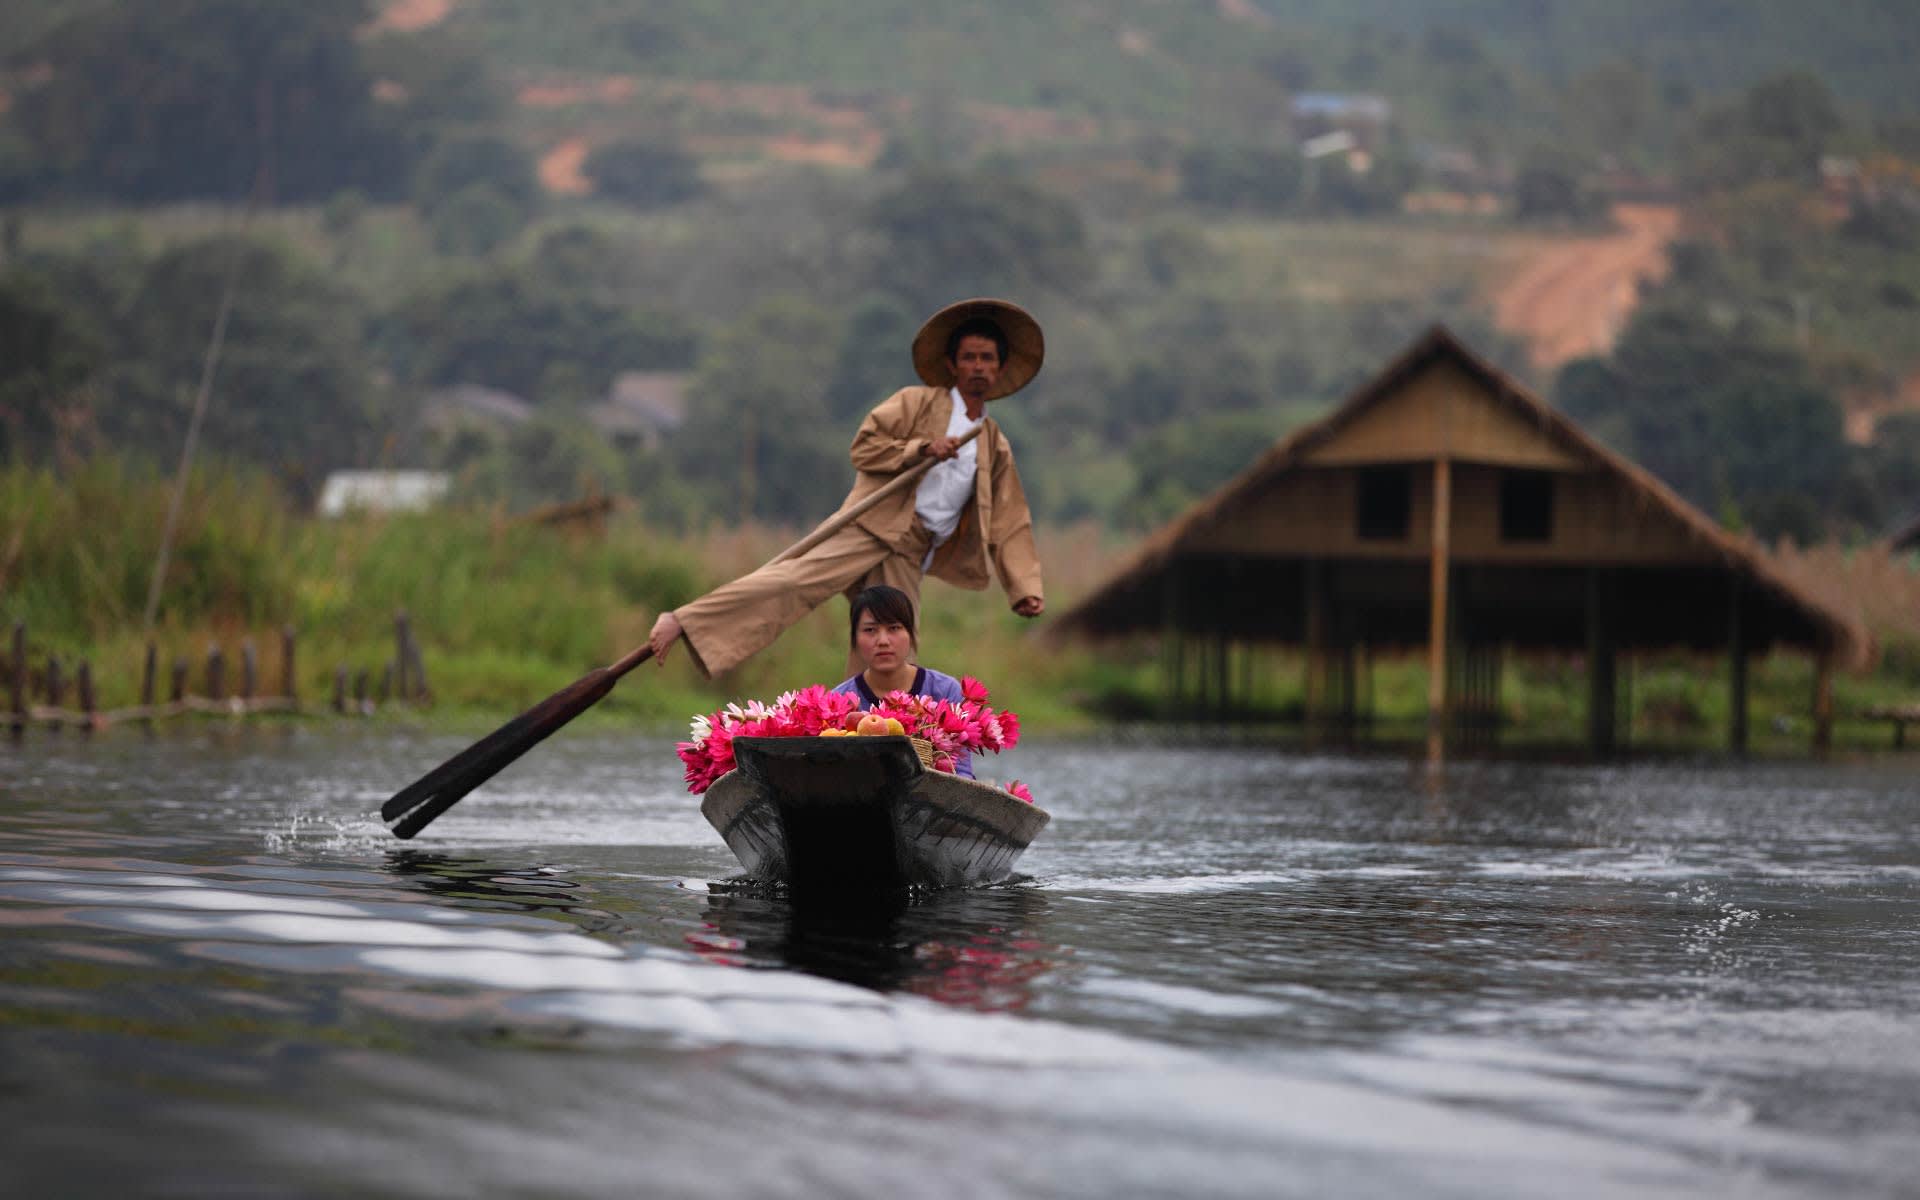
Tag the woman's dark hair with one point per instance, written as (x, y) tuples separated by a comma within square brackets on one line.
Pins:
[(977, 327), (889, 606)]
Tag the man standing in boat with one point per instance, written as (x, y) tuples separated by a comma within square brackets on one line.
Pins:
[(967, 515)]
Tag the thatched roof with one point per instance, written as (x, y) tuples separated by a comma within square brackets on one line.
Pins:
[(1837, 630)]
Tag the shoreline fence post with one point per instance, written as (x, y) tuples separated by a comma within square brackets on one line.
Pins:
[(19, 676), (289, 678), (249, 671), (177, 686), (216, 673), (401, 636), (56, 691), (83, 680), (422, 691), (340, 690), (147, 671)]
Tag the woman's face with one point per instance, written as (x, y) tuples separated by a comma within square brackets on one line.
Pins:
[(882, 644)]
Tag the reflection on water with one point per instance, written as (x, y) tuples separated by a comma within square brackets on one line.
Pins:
[(1232, 973), (972, 949)]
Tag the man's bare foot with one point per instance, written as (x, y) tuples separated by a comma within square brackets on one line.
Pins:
[(666, 631)]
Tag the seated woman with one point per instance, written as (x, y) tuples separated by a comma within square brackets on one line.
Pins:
[(881, 629)]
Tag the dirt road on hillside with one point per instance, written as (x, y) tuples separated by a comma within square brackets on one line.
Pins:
[(410, 16), (1575, 296)]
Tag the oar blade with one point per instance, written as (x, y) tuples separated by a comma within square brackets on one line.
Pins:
[(420, 802)]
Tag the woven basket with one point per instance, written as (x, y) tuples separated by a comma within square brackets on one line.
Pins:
[(924, 749)]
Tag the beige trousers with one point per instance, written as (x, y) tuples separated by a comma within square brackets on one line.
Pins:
[(737, 620)]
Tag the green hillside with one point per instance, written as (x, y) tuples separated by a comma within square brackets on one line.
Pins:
[(1865, 48)]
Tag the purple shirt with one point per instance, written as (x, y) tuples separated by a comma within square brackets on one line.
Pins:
[(926, 682)]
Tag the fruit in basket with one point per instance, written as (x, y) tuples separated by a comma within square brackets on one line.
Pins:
[(873, 725)]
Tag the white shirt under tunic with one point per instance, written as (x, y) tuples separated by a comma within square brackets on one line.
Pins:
[(945, 489)]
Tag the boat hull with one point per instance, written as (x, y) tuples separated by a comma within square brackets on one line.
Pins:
[(862, 814)]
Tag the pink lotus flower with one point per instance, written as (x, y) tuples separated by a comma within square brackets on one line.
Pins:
[(1019, 791), (951, 728)]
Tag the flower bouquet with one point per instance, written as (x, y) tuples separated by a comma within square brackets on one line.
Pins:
[(949, 728)]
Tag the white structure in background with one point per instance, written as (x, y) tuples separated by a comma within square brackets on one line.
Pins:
[(382, 491)]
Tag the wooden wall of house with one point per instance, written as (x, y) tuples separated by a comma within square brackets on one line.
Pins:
[(1597, 521), (1442, 412)]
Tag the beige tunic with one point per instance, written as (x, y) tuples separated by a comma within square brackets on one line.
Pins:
[(884, 545)]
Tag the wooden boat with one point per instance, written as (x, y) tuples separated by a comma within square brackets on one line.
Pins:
[(863, 814)]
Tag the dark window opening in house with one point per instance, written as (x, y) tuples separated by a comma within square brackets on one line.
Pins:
[(1526, 506), (1385, 503)]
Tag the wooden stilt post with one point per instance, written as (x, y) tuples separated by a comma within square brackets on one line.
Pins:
[(1366, 683), (1314, 694), (1170, 642), (1441, 566), (1736, 672), (216, 672), (1600, 673), (1623, 734), (340, 690), (177, 689), (360, 702), (1823, 702)]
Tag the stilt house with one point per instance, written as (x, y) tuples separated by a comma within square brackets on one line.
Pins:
[(1443, 507)]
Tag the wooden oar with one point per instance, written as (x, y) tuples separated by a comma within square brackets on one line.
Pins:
[(413, 807)]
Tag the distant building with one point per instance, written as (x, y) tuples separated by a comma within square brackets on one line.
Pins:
[(467, 405), (1445, 510), (1363, 115), (382, 491), (642, 407)]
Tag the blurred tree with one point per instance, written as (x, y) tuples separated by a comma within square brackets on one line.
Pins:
[(293, 391), (435, 80), (461, 162), (874, 360), (1243, 177), (941, 237), (46, 354), (557, 456), (644, 174), (343, 212), (1186, 459), (176, 99), (757, 414), (476, 220), (1718, 413), (1777, 130), (501, 327), (1549, 187), (1614, 108)]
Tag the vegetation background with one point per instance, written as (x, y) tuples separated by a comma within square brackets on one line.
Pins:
[(1696, 228)]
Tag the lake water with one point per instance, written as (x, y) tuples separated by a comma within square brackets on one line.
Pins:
[(1233, 972)]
